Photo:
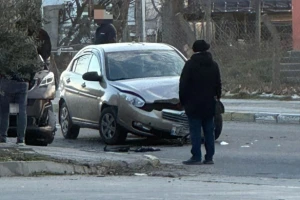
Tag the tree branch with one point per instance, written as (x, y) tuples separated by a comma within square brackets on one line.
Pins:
[(155, 7)]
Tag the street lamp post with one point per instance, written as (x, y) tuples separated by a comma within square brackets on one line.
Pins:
[(144, 20)]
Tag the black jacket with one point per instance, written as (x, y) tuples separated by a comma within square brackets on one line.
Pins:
[(45, 44), (106, 33), (200, 85)]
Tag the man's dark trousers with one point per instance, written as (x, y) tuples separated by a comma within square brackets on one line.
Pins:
[(13, 92), (196, 124)]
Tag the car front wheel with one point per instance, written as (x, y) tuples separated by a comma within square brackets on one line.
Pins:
[(68, 130), (110, 131)]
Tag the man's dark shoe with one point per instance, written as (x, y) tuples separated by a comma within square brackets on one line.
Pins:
[(192, 162), (20, 142), (208, 162)]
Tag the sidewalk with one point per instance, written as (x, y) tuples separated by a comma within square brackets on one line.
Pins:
[(263, 111), (34, 160)]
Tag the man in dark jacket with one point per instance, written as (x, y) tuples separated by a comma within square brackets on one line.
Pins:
[(199, 89), (106, 33)]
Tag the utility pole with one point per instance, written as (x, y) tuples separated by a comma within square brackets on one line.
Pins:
[(258, 21), (208, 20), (144, 20), (138, 20)]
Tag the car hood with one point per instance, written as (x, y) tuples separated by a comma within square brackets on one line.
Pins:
[(161, 89)]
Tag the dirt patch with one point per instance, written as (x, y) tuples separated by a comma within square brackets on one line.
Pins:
[(15, 154)]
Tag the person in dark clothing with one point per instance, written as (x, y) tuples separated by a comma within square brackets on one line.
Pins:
[(106, 33), (199, 89), (14, 85), (44, 48)]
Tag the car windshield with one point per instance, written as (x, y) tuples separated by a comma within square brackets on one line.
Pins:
[(143, 64)]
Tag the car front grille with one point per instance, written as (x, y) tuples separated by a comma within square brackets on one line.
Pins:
[(161, 106), (178, 117)]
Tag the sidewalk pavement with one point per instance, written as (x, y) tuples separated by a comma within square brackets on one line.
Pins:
[(34, 160), (261, 111)]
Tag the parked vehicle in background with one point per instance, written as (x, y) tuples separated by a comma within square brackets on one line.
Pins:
[(124, 88)]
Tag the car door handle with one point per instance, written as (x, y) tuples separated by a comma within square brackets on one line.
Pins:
[(83, 85), (68, 80)]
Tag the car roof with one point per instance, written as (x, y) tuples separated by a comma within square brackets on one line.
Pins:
[(116, 47)]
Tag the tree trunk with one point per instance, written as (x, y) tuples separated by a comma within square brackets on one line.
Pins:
[(120, 11), (174, 28)]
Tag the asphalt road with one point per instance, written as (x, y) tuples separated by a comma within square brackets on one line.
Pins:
[(147, 188), (252, 150)]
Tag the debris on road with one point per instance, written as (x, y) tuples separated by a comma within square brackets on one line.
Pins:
[(245, 146), (116, 149), (146, 149), (127, 149), (140, 174), (223, 143)]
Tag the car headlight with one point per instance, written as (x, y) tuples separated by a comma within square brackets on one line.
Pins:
[(134, 100), (47, 80)]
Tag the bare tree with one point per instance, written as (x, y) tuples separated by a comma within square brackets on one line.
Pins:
[(81, 26), (175, 29)]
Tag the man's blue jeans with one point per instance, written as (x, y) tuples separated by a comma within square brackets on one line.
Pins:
[(196, 124), (13, 92)]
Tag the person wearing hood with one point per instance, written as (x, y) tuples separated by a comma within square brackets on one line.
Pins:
[(106, 33), (199, 89)]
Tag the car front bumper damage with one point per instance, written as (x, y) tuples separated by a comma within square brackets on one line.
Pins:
[(153, 123)]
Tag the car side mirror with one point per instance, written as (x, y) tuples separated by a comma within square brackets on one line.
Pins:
[(91, 76)]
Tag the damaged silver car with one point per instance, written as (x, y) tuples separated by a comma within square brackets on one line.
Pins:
[(124, 88)]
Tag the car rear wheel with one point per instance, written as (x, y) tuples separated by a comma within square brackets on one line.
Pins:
[(218, 125), (110, 131), (68, 129)]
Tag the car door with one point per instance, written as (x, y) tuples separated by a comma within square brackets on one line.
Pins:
[(93, 91), (73, 86)]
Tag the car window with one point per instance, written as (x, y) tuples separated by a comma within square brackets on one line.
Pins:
[(94, 65), (143, 64), (83, 64)]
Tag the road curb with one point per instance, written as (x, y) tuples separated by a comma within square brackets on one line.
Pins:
[(259, 117), (106, 167), (262, 117)]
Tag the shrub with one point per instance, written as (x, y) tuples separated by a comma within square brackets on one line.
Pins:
[(20, 21)]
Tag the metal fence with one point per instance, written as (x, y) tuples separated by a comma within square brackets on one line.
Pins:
[(250, 62)]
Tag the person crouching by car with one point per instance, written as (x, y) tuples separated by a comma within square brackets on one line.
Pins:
[(199, 89)]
